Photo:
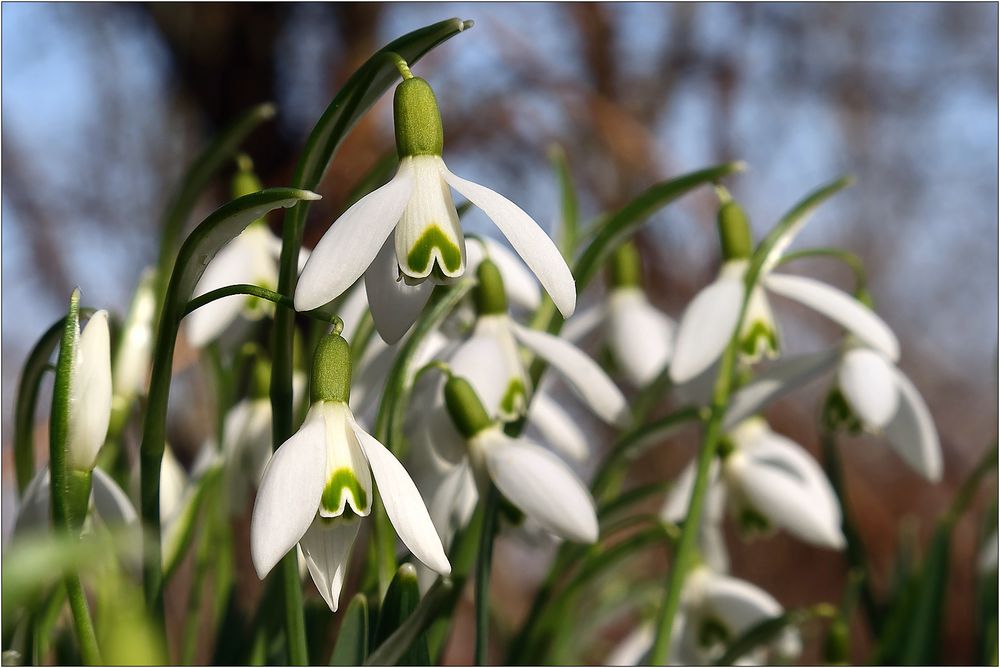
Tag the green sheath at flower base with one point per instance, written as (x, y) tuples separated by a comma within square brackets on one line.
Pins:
[(734, 232), (625, 268), (489, 293), (465, 408), (417, 119), (331, 377)]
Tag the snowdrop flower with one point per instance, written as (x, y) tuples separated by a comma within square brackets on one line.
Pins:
[(533, 479), (715, 609), (769, 481), (405, 236), (109, 502), (132, 359), (252, 257), (89, 393), (318, 485), (711, 318), (492, 363), (884, 400), (640, 336)]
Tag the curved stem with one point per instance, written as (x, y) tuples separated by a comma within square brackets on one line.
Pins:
[(261, 293), (397, 60), (491, 504), (850, 259)]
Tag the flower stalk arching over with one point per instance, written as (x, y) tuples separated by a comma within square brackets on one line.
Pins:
[(711, 318), (405, 236), (318, 486)]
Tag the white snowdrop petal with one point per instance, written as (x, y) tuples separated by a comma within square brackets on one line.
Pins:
[(429, 233), (90, 393), (394, 304), (490, 361), (585, 376), (633, 648), (912, 432), (232, 265), (403, 503), (542, 486), (869, 385), (558, 428), (327, 551), (738, 603), (529, 241), (789, 503), (352, 242), (706, 327), (289, 494), (840, 307), (111, 502), (640, 336), (35, 513)]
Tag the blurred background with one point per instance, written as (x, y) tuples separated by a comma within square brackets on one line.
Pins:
[(105, 105)]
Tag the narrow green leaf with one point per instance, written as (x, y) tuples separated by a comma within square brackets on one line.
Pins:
[(760, 634), (440, 597), (351, 648), (772, 246), (197, 178), (224, 224), (27, 400), (569, 209), (400, 602)]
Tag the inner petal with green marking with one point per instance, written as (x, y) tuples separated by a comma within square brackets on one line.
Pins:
[(341, 489), (429, 240), (434, 246), (348, 478), (514, 400)]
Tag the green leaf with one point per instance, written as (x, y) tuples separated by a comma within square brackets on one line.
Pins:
[(400, 602), (772, 246), (197, 178), (352, 639), (760, 634), (59, 417), (440, 597), (27, 400), (569, 210), (221, 227)]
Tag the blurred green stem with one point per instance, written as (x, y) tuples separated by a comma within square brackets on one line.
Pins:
[(491, 504)]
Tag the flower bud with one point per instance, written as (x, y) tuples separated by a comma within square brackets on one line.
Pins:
[(465, 407), (417, 119), (245, 182), (132, 359), (89, 394), (625, 269), (489, 293), (331, 377), (837, 643), (734, 232)]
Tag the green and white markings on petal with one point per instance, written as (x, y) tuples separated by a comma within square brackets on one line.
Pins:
[(319, 484)]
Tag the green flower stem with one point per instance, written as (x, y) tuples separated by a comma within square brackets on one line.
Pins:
[(491, 504), (848, 258), (239, 289), (857, 557), (70, 491), (687, 546), (193, 621)]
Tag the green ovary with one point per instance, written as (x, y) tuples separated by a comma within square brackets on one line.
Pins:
[(343, 480), (422, 252)]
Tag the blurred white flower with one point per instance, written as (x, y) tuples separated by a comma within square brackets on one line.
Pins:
[(132, 358), (769, 481), (89, 393), (885, 400), (109, 502), (710, 319)]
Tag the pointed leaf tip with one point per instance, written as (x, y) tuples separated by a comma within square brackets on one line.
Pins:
[(267, 110)]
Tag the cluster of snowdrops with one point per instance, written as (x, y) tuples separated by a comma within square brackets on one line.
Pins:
[(429, 385)]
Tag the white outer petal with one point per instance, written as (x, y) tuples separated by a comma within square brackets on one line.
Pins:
[(326, 552), (34, 513), (707, 325), (111, 503), (490, 361), (785, 500), (738, 603), (633, 648), (232, 265), (840, 307), (394, 304), (640, 335), (529, 241), (585, 376), (352, 242), (541, 485), (865, 377), (519, 283), (558, 428), (90, 393), (289, 494), (912, 432), (402, 502)]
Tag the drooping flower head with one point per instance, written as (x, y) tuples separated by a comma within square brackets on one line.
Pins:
[(319, 484), (405, 236)]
